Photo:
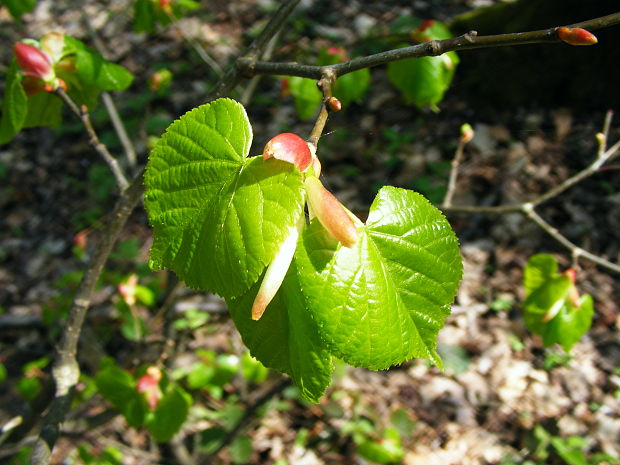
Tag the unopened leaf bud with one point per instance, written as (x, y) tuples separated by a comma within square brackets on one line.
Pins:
[(149, 385), (576, 36), (333, 104), (34, 62), (467, 133), (291, 148)]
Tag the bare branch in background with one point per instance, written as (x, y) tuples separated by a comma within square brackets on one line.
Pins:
[(528, 208)]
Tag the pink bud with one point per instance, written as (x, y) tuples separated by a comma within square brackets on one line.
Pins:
[(80, 240), (330, 212), (576, 36), (149, 385), (128, 289), (33, 62), (291, 148)]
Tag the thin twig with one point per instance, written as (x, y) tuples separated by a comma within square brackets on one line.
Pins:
[(234, 75), (94, 141), (117, 122), (119, 128), (528, 208), (249, 90), (66, 371), (325, 84), (577, 251), (198, 48), (468, 41), (456, 163)]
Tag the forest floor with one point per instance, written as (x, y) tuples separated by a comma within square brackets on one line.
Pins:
[(502, 398)]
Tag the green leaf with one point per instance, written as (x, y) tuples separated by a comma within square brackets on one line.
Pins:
[(14, 105), (306, 94), (44, 109), (383, 301), (241, 450), (387, 450), (143, 16), (93, 73), (540, 268), (116, 385), (19, 7), (352, 87), (548, 309), (218, 216), (119, 388), (170, 414), (423, 81), (286, 338), (104, 75)]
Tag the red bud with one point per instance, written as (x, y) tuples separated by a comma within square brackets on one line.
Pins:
[(33, 62), (426, 24), (291, 148), (330, 212), (576, 36), (333, 104), (149, 385)]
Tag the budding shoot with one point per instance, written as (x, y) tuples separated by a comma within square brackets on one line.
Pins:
[(291, 148), (576, 36)]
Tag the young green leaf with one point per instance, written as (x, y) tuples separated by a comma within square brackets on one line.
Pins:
[(423, 81), (19, 7), (219, 217), (286, 337), (170, 415), (552, 307), (383, 301), (306, 94), (14, 105)]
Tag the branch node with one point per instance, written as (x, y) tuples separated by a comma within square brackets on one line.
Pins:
[(246, 65), (435, 47), (470, 36)]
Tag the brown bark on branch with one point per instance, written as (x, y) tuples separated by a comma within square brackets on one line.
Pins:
[(66, 371), (469, 41)]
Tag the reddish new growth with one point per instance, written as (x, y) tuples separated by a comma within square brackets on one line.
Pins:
[(34, 62), (333, 104), (330, 212), (149, 385), (291, 148), (576, 36)]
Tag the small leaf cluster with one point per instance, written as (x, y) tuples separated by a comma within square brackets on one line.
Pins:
[(220, 217), (28, 102), (120, 388), (553, 307)]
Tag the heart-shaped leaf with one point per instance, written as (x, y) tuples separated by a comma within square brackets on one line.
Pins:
[(218, 216), (286, 338), (384, 300)]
